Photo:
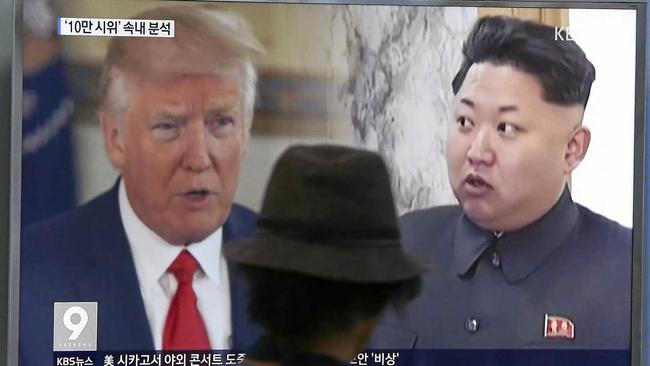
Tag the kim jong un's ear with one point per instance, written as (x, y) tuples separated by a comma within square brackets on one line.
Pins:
[(576, 147)]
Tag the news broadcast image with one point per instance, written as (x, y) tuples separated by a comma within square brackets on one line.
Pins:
[(513, 178)]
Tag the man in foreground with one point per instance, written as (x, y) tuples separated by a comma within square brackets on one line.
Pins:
[(326, 258)]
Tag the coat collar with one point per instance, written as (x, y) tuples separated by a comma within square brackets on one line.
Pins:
[(244, 332), (521, 251)]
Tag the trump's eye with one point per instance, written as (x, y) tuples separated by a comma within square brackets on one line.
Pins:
[(220, 124), (166, 130), (508, 129)]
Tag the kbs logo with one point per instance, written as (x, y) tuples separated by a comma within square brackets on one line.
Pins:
[(75, 326), (563, 34), (74, 361)]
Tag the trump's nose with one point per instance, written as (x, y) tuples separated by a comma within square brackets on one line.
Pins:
[(481, 151), (197, 155)]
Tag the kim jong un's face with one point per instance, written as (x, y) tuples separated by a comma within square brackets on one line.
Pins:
[(510, 152)]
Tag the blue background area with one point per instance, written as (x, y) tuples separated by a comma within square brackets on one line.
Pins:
[(48, 178)]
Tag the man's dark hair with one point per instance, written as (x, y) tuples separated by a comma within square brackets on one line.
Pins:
[(294, 308), (560, 65)]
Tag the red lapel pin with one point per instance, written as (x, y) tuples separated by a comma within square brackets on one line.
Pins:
[(558, 327)]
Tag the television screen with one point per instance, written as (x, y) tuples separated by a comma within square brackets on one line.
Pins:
[(6, 111), (513, 133)]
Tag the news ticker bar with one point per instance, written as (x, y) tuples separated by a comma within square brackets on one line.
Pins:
[(212, 358), (115, 27), (429, 357)]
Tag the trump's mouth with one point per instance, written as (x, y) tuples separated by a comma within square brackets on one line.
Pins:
[(475, 186), (197, 193), (197, 199)]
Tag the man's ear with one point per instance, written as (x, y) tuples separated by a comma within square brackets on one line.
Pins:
[(113, 135), (246, 136), (577, 148)]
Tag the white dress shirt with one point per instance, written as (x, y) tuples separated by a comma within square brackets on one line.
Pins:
[(153, 255)]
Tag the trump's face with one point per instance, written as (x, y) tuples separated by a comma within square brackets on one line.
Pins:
[(179, 148), (509, 152)]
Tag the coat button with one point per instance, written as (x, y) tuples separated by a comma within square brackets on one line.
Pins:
[(496, 259), (471, 325)]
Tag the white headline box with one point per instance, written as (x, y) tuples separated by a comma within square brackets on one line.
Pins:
[(115, 27)]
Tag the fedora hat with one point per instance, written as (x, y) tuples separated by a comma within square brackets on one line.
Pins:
[(328, 212)]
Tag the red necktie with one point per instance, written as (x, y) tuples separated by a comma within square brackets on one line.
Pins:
[(184, 327)]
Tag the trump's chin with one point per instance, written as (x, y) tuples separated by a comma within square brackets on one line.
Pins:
[(193, 229), (196, 232)]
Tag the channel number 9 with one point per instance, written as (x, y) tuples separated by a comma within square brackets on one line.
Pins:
[(81, 321)]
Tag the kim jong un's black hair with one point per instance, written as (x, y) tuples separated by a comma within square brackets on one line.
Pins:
[(559, 64)]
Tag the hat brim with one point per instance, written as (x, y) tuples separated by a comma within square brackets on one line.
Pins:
[(348, 263)]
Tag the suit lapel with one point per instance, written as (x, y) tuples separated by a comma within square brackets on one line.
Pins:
[(244, 332), (110, 279)]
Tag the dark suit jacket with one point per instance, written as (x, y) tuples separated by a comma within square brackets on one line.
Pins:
[(571, 263), (84, 255)]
